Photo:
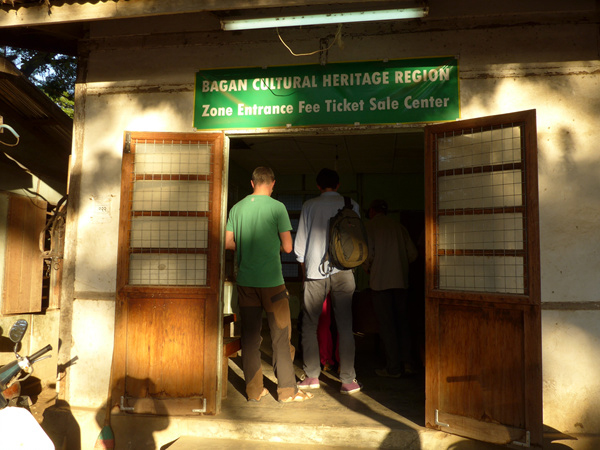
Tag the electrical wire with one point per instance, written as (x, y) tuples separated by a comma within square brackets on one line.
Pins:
[(9, 128), (335, 39), (18, 163)]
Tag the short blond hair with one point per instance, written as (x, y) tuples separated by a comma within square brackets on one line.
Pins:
[(263, 175)]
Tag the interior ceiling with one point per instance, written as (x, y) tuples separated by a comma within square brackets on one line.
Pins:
[(386, 153)]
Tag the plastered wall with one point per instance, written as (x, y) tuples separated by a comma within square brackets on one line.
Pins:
[(147, 85)]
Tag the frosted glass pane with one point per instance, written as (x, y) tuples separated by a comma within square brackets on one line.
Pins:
[(169, 232), (483, 232), (172, 158), (171, 196), (482, 148), (481, 274), (168, 269), (480, 190)]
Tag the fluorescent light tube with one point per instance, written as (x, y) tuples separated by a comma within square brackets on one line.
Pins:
[(322, 19)]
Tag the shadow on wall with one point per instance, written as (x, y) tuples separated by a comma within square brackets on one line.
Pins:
[(571, 368)]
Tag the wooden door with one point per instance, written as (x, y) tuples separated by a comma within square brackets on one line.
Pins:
[(23, 268), (483, 327), (166, 356)]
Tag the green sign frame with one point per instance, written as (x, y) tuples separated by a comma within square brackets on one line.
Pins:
[(355, 93)]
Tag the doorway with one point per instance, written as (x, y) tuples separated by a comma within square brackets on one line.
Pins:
[(388, 164)]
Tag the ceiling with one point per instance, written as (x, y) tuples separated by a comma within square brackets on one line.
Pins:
[(385, 153), (58, 26)]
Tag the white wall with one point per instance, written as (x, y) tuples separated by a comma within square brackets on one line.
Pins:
[(552, 68)]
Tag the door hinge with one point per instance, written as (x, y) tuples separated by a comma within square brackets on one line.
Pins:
[(527, 442), (437, 422), (122, 406), (203, 410), (128, 142)]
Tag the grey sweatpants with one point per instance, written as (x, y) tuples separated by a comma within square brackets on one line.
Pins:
[(342, 286)]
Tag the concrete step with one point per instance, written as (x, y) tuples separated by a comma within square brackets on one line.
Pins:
[(195, 443), (139, 432), (388, 413), (79, 429)]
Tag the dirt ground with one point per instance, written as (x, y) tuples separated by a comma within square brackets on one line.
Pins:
[(44, 400)]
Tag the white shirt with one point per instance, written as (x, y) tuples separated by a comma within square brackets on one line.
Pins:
[(312, 236)]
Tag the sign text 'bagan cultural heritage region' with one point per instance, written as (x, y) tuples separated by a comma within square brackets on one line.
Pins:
[(373, 92)]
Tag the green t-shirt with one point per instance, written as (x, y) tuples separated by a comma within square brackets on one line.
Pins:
[(256, 222)]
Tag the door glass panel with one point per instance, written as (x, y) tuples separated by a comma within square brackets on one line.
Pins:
[(480, 202), (491, 232), (479, 148), (166, 195), (167, 269), (170, 220), (496, 189), (172, 158), (169, 232), (482, 273)]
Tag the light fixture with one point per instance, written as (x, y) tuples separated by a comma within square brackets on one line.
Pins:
[(323, 19)]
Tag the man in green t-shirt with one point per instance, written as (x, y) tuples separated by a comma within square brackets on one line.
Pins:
[(258, 229)]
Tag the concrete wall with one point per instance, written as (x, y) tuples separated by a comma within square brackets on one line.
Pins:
[(145, 83)]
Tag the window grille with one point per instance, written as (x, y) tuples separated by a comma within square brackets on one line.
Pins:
[(480, 210), (169, 217)]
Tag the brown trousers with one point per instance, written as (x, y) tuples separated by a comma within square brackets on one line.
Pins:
[(275, 302)]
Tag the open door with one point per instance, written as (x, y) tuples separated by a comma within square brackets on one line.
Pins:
[(483, 324), (167, 329)]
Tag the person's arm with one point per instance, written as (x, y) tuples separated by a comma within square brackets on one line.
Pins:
[(286, 241), (355, 207), (229, 240), (300, 242)]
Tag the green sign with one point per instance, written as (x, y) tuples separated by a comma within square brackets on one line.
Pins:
[(373, 92)]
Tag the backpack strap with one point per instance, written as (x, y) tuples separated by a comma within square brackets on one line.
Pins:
[(347, 205), (347, 202)]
